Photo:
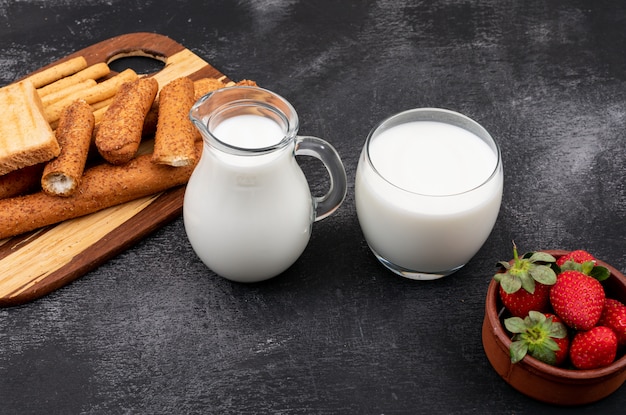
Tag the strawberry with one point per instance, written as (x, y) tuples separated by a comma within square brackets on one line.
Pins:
[(525, 282), (542, 336), (577, 299), (614, 317), (594, 348), (521, 302), (563, 342), (584, 262), (579, 256)]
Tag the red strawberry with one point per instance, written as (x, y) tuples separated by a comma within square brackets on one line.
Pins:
[(520, 302), (542, 336), (579, 256), (614, 317), (563, 343), (577, 299), (594, 348), (525, 282)]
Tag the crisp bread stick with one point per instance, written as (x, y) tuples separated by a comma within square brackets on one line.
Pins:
[(99, 109), (58, 71), (99, 114), (120, 131), (101, 91), (102, 186), (21, 181), (246, 82), (201, 87), (205, 85), (175, 135), (150, 123), (101, 104), (62, 175), (59, 95), (92, 72)]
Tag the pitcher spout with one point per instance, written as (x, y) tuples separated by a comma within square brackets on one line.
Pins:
[(199, 116), (223, 116)]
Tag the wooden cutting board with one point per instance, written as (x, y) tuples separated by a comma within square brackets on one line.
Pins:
[(37, 263)]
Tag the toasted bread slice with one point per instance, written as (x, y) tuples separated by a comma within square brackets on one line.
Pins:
[(25, 136)]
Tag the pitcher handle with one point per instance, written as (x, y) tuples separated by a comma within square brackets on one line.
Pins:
[(316, 147)]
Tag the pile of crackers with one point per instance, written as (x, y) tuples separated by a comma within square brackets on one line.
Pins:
[(72, 141)]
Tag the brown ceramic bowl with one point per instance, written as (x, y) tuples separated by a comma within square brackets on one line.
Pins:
[(538, 380)]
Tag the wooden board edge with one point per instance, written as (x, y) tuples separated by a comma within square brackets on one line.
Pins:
[(169, 206)]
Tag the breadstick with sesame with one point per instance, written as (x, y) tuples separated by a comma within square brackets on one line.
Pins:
[(175, 135), (21, 181), (92, 72), (58, 71), (57, 96), (102, 186), (120, 131), (62, 175), (100, 91)]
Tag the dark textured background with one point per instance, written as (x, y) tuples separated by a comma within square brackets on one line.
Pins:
[(153, 331)]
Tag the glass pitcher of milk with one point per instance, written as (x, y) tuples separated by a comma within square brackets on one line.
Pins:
[(248, 210)]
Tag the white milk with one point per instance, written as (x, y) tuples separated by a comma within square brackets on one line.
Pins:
[(249, 131), (248, 217), (437, 215)]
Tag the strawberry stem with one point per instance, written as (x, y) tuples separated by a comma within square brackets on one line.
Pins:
[(515, 256)]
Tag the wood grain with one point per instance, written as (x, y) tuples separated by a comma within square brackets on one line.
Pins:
[(22, 280)]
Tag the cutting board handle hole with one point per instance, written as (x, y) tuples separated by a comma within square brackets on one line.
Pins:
[(143, 65)]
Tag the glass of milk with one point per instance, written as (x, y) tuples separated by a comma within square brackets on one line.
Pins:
[(248, 210), (428, 189)]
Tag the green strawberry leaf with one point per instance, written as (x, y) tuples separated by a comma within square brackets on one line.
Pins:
[(515, 325), (509, 283), (535, 317), (571, 265), (600, 273), (545, 351), (528, 283), (541, 257), (587, 267), (518, 350), (557, 331), (551, 345), (543, 274)]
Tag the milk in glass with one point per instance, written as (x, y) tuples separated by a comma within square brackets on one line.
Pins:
[(427, 196)]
